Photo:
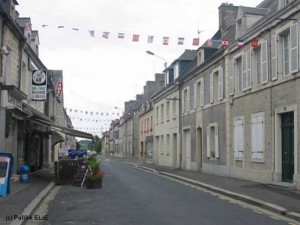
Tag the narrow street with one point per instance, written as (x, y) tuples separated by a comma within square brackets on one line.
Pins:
[(134, 197)]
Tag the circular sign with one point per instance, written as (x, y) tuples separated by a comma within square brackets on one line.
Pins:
[(39, 77)]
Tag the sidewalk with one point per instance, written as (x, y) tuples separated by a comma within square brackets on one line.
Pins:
[(25, 197), (281, 201)]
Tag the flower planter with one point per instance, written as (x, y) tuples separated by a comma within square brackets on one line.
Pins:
[(93, 183)]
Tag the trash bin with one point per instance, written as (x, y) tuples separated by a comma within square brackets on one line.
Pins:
[(24, 170)]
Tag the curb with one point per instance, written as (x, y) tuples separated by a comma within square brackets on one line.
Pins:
[(34, 203), (250, 200)]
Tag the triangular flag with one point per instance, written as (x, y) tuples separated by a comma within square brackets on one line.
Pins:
[(240, 43), (180, 40), (92, 33), (135, 37), (150, 39), (225, 42), (105, 35), (209, 42), (165, 40), (121, 35), (254, 43), (196, 41)]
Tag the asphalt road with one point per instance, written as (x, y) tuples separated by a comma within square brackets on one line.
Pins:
[(134, 197)]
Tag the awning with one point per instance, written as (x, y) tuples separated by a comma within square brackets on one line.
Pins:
[(41, 119)]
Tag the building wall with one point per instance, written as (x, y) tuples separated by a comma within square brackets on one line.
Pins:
[(166, 148)]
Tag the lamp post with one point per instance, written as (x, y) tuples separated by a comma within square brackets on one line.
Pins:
[(165, 61)]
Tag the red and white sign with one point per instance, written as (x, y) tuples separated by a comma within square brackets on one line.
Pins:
[(59, 88)]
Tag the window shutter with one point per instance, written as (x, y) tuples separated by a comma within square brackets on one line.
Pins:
[(253, 138), (202, 92), (235, 138), (221, 84), (294, 48), (248, 80), (231, 77), (260, 138), (211, 88), (195, 96), (274, 57), (264, 62), (244, 71), (208, 141), (217, 155), (241, 139)]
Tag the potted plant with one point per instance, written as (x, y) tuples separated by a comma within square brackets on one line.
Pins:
[(95, 174)]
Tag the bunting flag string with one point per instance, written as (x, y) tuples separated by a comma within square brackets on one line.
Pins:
[(166, 40)]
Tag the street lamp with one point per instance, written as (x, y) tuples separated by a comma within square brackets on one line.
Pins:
[(152, 53)]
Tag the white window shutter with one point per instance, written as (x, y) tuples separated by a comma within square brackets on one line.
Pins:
[(264, 62), (260, 138), (294, 47), (202, 92), (235, 138), (217, 153), (231, 77), (211, 88), (208, 141), (241, 138), (244, 71), (253, 138), (274, 57), (221, 84), (249, 79), (195, 96)]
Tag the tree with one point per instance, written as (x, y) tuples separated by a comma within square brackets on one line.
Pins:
[(98, 144)]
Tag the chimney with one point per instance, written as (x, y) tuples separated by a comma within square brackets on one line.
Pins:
[(227, 16)]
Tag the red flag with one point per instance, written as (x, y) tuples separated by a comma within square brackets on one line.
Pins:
[(135, 37), (254, 43), (225, 42), (165, 40), (209, 42), (196, 41)]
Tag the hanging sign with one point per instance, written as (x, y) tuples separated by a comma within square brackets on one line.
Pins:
[(59, 88), (39, 85), (4, 172)]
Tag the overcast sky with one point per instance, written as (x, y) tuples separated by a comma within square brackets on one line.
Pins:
[(100, 74)]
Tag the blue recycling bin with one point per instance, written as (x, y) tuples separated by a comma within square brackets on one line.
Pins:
[(24, 174)]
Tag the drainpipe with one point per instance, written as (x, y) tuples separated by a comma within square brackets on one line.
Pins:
[(180, 122)]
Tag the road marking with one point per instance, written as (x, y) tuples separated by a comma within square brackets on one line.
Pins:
[(258, 212), (274, 217)]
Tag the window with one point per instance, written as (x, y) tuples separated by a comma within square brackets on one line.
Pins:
[(257, 64), (238, 132), (285, 53), (199, 94), (174, 109), (176, 70), (162, 113), (168, 110), (246, 70), (238, 72), (157, 114), (216, 85), (257, 136), (186, 100), (212, 141)]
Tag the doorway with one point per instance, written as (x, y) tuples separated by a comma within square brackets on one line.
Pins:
[(287, 146), (199, 146), (187, 135)]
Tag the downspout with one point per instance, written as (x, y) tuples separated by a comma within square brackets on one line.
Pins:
[(180, 122)]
